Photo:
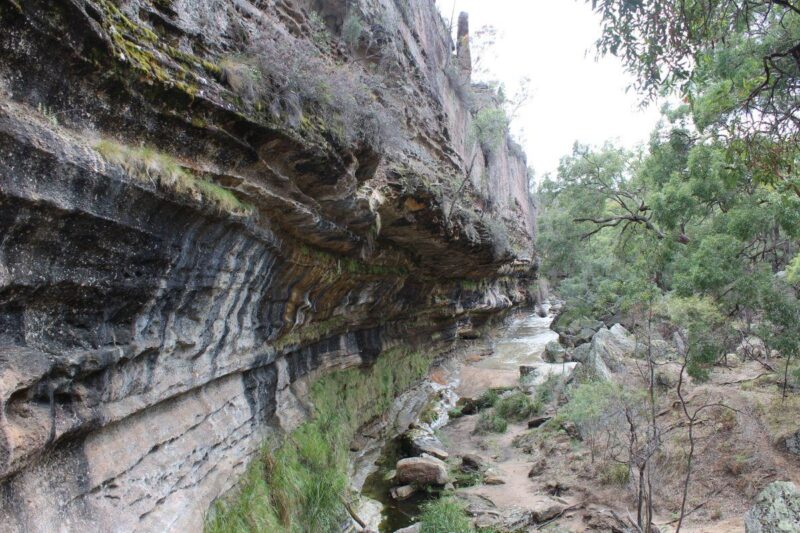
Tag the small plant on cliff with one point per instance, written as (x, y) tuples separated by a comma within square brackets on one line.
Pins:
[(292, 81), (352, 28), (160, 169), (490, 127)]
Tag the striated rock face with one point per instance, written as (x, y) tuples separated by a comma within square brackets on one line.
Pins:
[(204, 205)]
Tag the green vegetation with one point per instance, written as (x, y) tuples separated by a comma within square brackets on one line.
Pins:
[(515, 407), (490, 127), (615, 474), (300, 483), (150, 165), (490, 422), (445, 515)]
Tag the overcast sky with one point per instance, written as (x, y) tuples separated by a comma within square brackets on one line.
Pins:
[(573, 95)]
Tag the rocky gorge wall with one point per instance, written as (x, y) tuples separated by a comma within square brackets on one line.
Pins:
[(204, 204)]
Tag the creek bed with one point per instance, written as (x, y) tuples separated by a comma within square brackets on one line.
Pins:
[(521, 342)]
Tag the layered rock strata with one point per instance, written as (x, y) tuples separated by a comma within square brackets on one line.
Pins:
[(205, 204)]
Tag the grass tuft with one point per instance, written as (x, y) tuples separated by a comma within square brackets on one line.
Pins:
[(445, 515), (489, 422), (298, 486), (516, 407), (148, 164)]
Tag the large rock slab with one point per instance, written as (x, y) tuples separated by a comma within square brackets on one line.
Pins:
[(422, 471), (776, 510)]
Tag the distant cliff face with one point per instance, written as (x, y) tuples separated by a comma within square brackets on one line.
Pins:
[(203, 205)]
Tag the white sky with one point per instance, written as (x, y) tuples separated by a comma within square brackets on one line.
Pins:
[(574, 96)]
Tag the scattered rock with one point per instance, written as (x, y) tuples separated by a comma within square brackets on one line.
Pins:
[(554, 352), (792, 442), (537, 468), (492, 477), (604, 520), (777, 510), (581, 353), (369, 511), (751, 347), (545, 510), (527, 370), (555, 487), (402, 492), (538, 421), (449, 486), (422, 471), (419, 441), (471, 462)]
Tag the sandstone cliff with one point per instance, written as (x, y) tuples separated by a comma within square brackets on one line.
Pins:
[(204, 204)]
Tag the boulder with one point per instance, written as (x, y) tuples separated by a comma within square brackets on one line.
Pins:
[(420, 441), (583, 336), (538, 421), (660, 349), (581, 353), (792, 442), (545, 510), (369, 511), (776, 510), (537, 468), (609, 347), (402, 492), (492, 477), (471, 462), (554, 352), (751, 347), (422, 471)]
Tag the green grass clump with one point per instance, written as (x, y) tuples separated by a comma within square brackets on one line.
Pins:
[(489, 422), (455, 412), (615, 474), (487, 399), (516, 407), (148, 164), (299, 485), (445, 515)]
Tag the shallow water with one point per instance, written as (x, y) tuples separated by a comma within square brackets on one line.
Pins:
[(521, 343)]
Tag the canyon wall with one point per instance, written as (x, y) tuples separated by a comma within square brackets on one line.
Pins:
[(203, 205)]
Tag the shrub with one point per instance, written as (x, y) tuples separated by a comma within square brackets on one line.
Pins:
[(352, 28), (615, 474), (515, 407), (455, 412), (487, 399), (290, 79), (489, 422), (490, 127), (445, 515)]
